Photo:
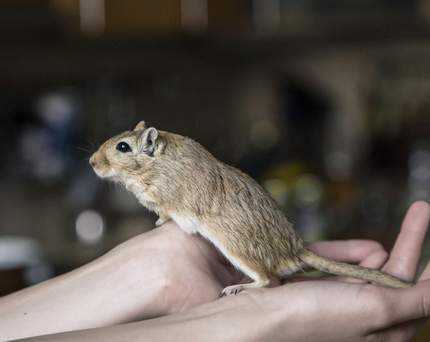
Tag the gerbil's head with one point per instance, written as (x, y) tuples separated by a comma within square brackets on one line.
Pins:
[(128, 154)]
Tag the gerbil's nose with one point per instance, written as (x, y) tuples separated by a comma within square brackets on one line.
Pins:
[(92, 161)]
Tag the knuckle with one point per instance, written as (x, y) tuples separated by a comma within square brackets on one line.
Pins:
[(381, 256), (377, 246), (384, 254)]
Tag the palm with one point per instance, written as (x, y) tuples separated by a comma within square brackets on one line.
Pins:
[(198, 272)]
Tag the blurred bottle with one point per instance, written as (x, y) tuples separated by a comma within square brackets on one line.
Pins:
[(419, 172), (301, 196)]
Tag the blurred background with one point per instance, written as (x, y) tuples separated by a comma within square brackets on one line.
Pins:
[(326, 103)]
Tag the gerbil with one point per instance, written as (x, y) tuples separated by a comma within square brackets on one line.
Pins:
[(180, 180)]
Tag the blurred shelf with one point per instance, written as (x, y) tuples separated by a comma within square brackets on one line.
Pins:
[(75, 59)]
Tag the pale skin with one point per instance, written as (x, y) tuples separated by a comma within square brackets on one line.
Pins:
[(167, 272)]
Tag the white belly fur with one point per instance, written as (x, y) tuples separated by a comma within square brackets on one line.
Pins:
[(187, 223), (192, 225)]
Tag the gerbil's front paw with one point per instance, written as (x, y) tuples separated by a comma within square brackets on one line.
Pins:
[(231, 290)]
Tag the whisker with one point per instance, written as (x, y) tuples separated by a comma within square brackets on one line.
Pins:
[(82, 149)]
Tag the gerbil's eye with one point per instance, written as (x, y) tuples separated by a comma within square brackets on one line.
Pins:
[(123, 147)]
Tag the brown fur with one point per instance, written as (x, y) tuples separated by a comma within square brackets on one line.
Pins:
[(182, 180)]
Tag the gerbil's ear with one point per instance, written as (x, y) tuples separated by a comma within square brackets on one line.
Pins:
[(148, 141), (139, 126)]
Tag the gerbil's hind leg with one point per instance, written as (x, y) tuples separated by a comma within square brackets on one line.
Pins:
[(162, 218), (260, 278)]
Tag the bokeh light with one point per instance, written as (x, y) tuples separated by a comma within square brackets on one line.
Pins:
[(89, 226)]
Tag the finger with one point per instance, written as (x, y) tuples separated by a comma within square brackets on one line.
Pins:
[(403, 305), (375, 260), (403, 260), (354, 251), (406, 331)]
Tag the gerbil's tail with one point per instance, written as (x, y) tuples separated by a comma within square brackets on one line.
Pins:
[(354, 271)]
